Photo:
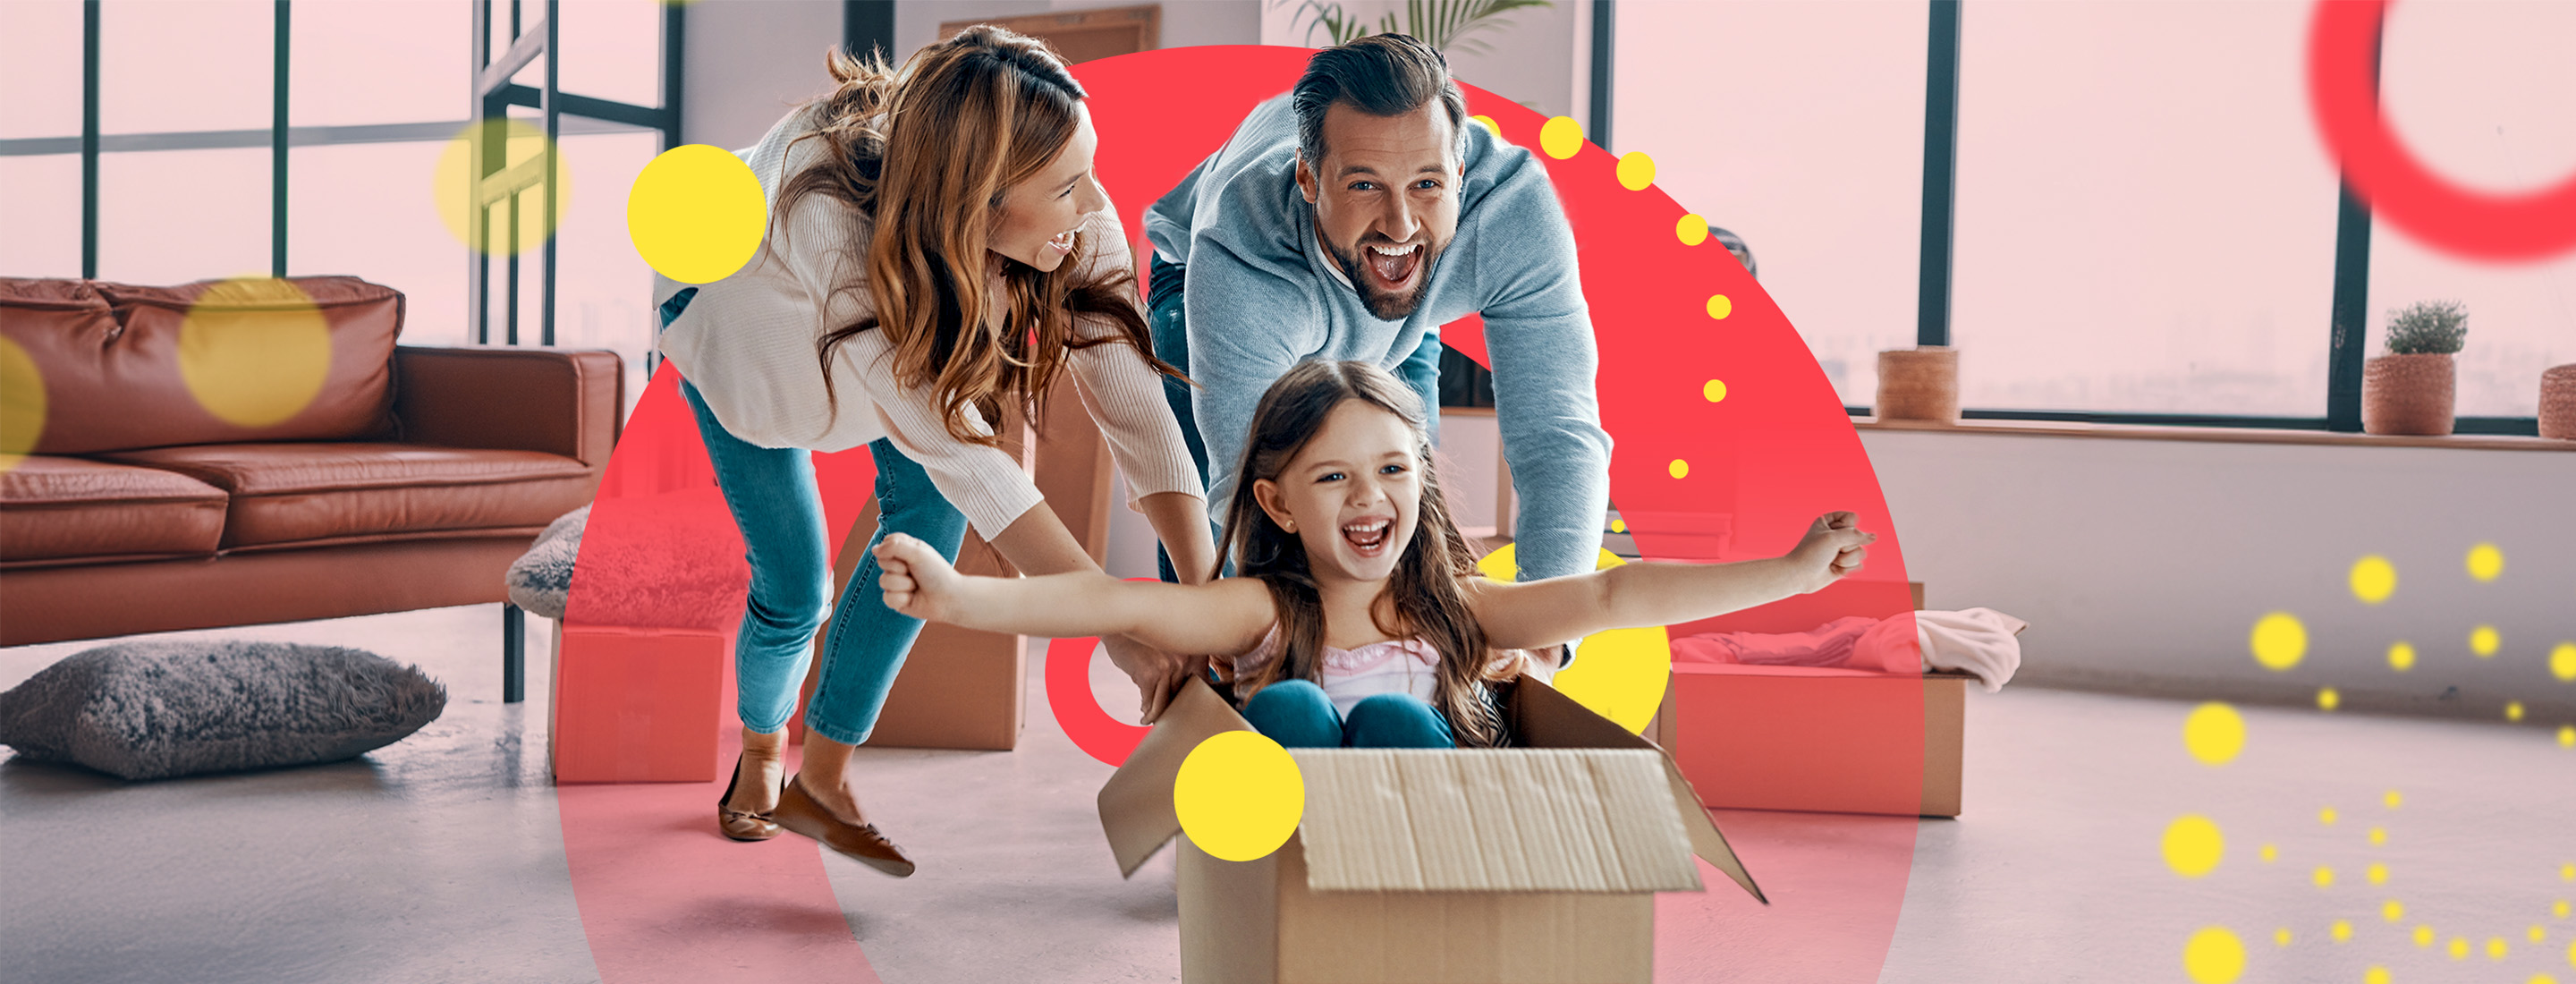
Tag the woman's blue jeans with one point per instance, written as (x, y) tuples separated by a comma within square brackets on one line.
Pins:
[(1296, 714), (779, 508)]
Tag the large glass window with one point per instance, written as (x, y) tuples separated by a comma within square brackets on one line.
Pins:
[(603, 291), (40, 207), (600, 40), (381, 61), (2485, 94), (2146, 221), (1798, 126), (40, 69), (173, 65), (172, 216), (367, 210)]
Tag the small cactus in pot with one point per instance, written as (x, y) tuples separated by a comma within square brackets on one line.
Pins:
[(2410, 389)]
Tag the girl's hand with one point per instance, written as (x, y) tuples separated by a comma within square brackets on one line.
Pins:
[(1833, 548), (917, 581)]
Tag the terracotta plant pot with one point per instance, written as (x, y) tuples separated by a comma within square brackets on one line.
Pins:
[(2558, 402), (1919, 384), (2408, 394)]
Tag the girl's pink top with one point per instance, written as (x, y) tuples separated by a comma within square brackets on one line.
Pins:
[(1396, 666)]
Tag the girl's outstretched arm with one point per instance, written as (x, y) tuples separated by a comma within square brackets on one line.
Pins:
[(1226, 616), (1533, 614)]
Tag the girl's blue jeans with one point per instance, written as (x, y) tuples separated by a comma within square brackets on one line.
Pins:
[(779, 508), (1296, 714)]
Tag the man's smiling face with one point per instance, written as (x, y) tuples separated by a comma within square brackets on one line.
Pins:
[(1386, 200)]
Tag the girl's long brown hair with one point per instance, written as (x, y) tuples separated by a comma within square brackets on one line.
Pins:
[(1427, 600), (926, 153)]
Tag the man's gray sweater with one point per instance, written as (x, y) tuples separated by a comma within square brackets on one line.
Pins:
[(1261, 296)]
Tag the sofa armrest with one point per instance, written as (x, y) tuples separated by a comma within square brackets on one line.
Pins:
[(511, 397)]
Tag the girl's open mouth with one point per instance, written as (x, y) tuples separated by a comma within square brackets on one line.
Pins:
[(1368, 537)]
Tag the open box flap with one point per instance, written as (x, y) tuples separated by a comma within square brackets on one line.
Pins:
[(1136, 804), (1544, 718)]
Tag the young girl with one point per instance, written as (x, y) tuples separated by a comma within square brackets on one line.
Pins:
[(1357, 610)]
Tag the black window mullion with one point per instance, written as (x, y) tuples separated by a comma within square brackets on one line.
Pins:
[(89, 140), (2349, 316), (277, 154), (1940, 174)]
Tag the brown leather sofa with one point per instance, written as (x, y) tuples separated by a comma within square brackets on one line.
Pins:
[(239, 452)]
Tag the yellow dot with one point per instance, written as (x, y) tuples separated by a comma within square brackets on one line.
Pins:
[(2375, 975), (2392, 910), (1636, 171), (2193, 845), (2459, 948), (2329, 699), (2324, 877), (2536, 934), (2378, 873), (1714, 390), (2392, 799), (2513, 710), (1490, 126), (2378, 836), (2214, 956), (2567, 736), (2562, 662), (22, 403), (2423, 935), (2484, 641), (2401, 657), (2567, 872), (2342, 931), (2279, 640), (696, 213), (1239, 795), (1618, 526), (2214, 733), (2485, 561), (1692, 230), (2271, 853), (2542, 979), (2328, 816), (1679, 468), (1720, 305), (2495, 948), (2280, 937), (1561, 137), (2373, 579), (2559, 909), (454, 188), (254, 351), (1623, 672)]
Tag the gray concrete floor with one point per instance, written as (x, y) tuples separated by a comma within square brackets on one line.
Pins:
[(440, 858)]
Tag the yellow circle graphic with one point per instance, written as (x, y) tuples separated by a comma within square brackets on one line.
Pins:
[(2271, 853), (254, 351), (1619, 674), (2567, 736), (1692, 230), (2375, 975), (2342, 931), (1490, 126), (2459, 948), (1679, 468), (1636, 171), (2485, 562), (2193, 845), (2559, 908), (2562, 659), (2378, 873), (2401, 656), (2513, 710), (2393, 799), (2392, 910), (2214, 733), (696, 213), (1719, 305), (1561, 137), (457, 194), (2378, 836), (2373, 579), (2214, 956), (2281, 937), (2536, 934), (2484, 641), (1239, 795), (2495, 948), (2328, 699), (2324, 877), (1714, 390), (2423, 935), (22, 404), (2328, 816), (2279, 641)]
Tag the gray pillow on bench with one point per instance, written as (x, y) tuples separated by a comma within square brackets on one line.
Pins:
[(153, 710)]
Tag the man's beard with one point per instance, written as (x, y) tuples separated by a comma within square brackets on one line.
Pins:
[(1384, 306)]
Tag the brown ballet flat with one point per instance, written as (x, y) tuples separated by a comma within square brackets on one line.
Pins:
[(742, 825), (798, 811)]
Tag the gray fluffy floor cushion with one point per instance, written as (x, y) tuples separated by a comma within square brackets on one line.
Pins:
[(541, 578), (153, 710)]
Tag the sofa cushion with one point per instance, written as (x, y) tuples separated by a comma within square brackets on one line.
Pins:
[(300, 493), (54, 508), (123, 366)]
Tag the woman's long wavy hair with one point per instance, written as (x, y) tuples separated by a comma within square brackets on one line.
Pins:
[(1425, 592), (926, 154)]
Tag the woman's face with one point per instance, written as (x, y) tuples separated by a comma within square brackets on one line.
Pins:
[(1351, 495), (1039, 216)]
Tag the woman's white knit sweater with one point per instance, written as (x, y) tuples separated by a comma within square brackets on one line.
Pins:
[(747, 343)]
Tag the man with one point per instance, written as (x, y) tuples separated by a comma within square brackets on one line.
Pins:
[(1349, 219)]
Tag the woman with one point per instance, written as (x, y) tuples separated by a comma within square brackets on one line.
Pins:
[(939, 248)]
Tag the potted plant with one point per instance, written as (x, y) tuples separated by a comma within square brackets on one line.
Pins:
[(2409, 390), (2558, 402), (1920, 383)]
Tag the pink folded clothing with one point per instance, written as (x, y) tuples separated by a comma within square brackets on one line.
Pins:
[(1980, 641), (1829, 644)]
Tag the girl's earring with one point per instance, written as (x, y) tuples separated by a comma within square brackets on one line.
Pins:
[(1290, 526)]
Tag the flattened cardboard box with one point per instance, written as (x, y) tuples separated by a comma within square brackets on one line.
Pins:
[(1534, 863)]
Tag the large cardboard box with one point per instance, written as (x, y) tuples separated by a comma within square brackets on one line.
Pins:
[(636, 704), (1528, 864), (1821, 739)]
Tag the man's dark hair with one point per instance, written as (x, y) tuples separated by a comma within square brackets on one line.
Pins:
[(1381, 75)]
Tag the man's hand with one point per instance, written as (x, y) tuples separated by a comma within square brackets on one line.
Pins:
[(917, 581), (1158, 675), (1833, 548)]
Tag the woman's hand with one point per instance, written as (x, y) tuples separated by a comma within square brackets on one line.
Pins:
[(1833, 548), (917, 581), (1158, 674)]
